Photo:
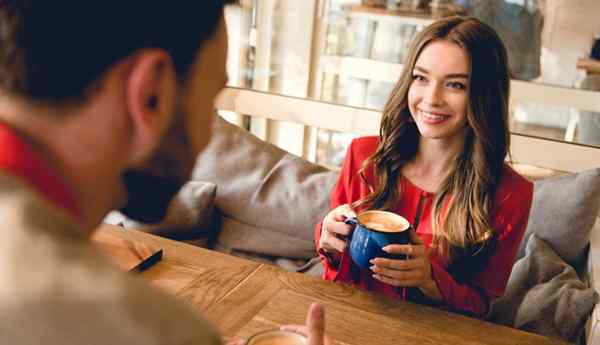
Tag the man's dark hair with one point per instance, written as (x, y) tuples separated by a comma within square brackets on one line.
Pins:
[(52, 51)]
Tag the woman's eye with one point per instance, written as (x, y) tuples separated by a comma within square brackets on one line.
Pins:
[(457, 85), (419, 77)]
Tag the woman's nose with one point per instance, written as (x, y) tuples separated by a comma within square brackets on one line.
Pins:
[(433, 94)]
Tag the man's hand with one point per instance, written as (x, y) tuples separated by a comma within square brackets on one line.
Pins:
[(315, 326)]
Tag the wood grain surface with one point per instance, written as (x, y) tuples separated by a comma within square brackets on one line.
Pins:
[(242, 297), (127, 253)]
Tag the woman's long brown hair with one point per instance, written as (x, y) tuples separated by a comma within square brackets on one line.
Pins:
[(461, 210)]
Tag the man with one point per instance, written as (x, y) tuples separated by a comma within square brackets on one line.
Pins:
[(103, 105)]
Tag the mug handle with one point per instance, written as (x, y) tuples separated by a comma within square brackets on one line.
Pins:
[(351, 221)]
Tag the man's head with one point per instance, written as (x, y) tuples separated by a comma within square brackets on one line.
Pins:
[(134, 81)]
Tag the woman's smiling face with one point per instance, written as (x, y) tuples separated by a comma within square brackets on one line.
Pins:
[(439, 93)]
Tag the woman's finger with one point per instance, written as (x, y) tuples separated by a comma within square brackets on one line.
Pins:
[(334, 243), (343, 212), (407, 249), (407, 264), (387, 280), (394, 274), (339, 228), (347, 211), (395, 282), (415, 238)]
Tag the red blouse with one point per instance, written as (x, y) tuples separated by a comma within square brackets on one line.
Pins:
[(461, 292)]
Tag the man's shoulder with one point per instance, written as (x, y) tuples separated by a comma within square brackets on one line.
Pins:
[(78, 297), (67, 292), (78, 315)]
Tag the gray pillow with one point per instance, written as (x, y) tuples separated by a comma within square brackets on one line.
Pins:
[(190, 216), (563, 213), (544, 295), (270, 199), (235, 236)]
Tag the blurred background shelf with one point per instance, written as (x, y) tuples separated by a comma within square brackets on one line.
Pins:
[(346, 53), (422, 17), (361, 68)]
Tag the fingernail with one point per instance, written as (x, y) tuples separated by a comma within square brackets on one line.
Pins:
[(385, 249), (372, 261), (372, 268), (375, 276)]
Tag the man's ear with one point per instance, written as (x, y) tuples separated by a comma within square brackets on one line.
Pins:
[(150, 91)]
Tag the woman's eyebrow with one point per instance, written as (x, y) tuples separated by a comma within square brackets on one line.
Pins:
[(449, 76)]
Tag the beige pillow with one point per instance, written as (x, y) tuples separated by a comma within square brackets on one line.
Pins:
[(270, 199)]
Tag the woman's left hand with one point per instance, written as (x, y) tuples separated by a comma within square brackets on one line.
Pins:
[(415, 271)]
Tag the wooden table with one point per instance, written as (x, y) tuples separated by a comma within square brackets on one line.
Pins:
[(242, 297)]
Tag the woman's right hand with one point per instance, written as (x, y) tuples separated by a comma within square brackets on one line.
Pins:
[(334, 232)]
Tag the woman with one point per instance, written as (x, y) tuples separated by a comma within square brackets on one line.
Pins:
[(439, 162)]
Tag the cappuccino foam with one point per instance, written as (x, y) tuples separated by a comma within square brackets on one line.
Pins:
[(383, 221)]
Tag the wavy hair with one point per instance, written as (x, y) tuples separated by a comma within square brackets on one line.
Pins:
[(461, 209)]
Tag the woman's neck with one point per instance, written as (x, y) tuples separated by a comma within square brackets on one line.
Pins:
[(433, 161)]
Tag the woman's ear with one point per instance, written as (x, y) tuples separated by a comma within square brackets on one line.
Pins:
[(150, 92)]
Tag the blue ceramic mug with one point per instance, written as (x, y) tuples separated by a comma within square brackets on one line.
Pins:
[(374, 230)]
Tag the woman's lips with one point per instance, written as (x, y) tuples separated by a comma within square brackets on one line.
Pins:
[(433, 117)]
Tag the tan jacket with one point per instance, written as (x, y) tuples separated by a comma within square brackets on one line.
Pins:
[(55, 288)]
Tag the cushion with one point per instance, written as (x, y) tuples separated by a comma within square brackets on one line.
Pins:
[(270, 199), (190, 216), (534, 173), (544, 295), (235, 236), (563, 213)]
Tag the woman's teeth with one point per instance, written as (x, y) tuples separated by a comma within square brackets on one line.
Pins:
[(434, 117)]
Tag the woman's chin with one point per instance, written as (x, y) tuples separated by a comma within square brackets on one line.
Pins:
[(432, 133)]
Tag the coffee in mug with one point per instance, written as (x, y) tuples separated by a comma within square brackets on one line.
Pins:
[(277, 337), (374, 230), (383, 221)]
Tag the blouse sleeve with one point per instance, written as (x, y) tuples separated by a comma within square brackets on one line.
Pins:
[(474, 297), (341, 194)]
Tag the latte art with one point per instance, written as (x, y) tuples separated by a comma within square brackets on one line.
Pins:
[(383, 221)]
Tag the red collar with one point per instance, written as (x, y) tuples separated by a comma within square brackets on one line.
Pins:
[(19, 159)]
